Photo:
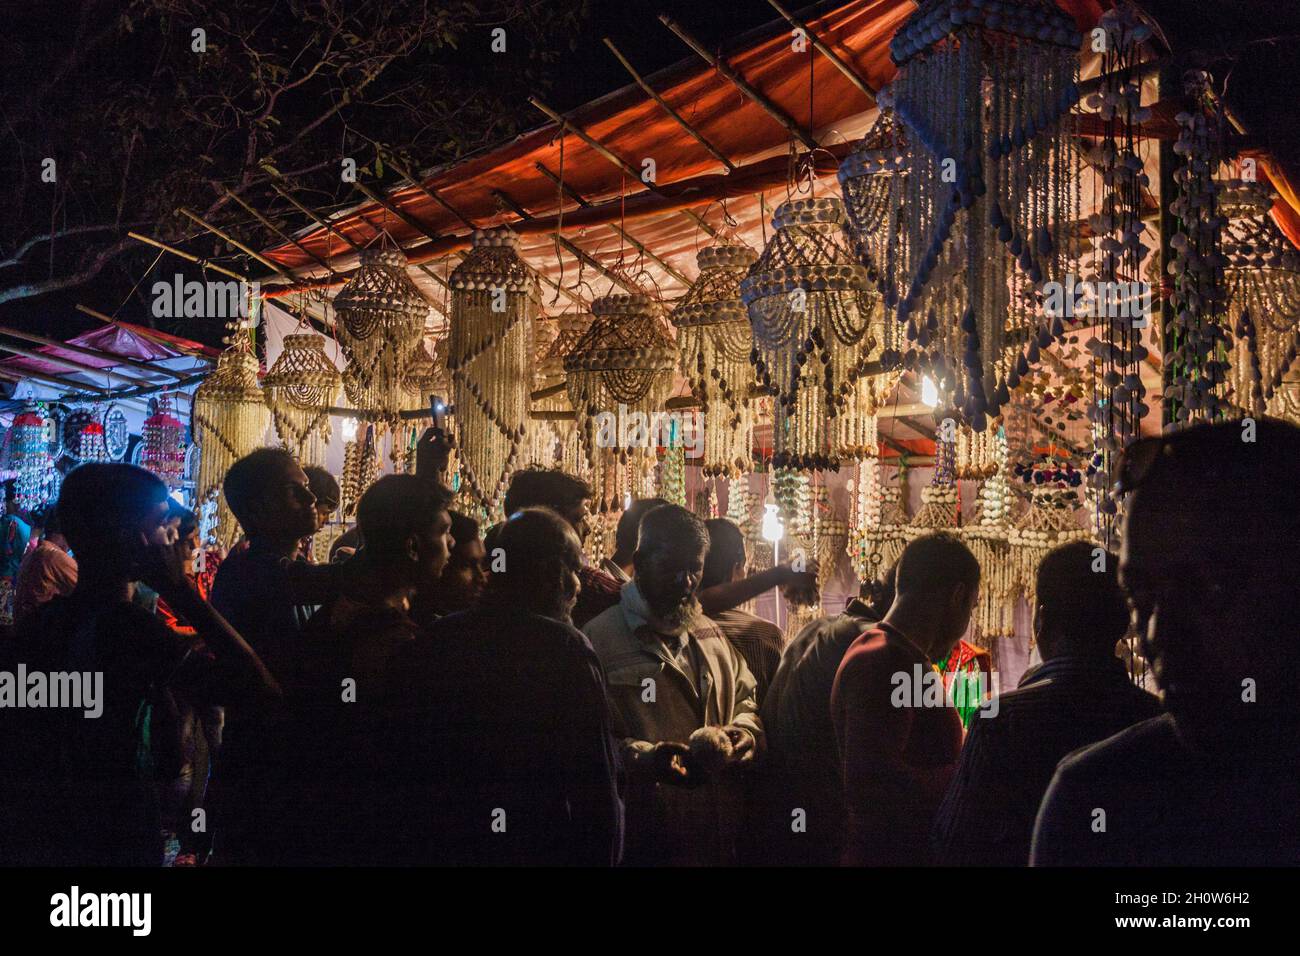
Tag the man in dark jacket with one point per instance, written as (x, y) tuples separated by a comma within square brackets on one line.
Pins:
[(803, 767), (1079, 695), (500, 740)]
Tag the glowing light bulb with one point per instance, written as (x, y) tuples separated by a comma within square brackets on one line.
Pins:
[(929, 392), (773, 530), (627, 501), (349, 429)]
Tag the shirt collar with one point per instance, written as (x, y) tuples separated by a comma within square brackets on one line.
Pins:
[(1069, 664), (636, 612)]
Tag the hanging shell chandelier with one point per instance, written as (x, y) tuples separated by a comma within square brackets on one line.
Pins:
[(940, 507), (230, 420), (381, 316), (715, 342), (987, 537), (489, 356), (871, 182), (880, 523), (163, 453), (816, 322), (553, 440), (1048, 522), (300, 388), (29, 454), (622, 366), (990, 191), (1262, 275)]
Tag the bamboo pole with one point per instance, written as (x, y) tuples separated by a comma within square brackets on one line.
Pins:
[(738, 81), (315, 218), (275, 229), (431, 193), (248, 251), (827, 52), (695, 134), (189, 257)]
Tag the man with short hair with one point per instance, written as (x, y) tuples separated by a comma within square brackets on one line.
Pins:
[(802, 767), (77, 789), (568, 497), (619, 564), (328, 495), (758, 641), (1079, 695), (330, 808), (1211, 541), (672, 673), (502, 751), (898, 734)]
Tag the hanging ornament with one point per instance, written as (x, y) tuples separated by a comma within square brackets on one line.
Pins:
[(816, 323), (83, 437), (715, 342), (987, 537), (360, 468), (117, 433), (940, 506), (880, 522), (619, 377), (552, 432), (989, 194), (494, 298), (871, 181), (1053, 484), (300, 388), (230, 420), (741, 506), (163, 445), (977, 453), (381, 316), (29, 455), (1262, 276), (1117, 350), (1196, 338)]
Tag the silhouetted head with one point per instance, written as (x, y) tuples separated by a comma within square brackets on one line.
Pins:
[(669, 563), (629, 523), (109, 513), (406, 527), (1210, 544), (540, 557), (466, 573), (939, 575), (878, 593), (548, 488), (268, 494), (327, 492), (726, 558), (1080, 610)]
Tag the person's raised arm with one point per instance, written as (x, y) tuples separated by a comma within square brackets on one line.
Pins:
[(729, 594)]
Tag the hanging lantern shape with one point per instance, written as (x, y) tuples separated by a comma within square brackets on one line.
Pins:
[(553, 442), (871, 183), (230, 420), (381, 316), (84, 438), (30, 454), (164, 445), (715, 342), (978, 452), (300, 388), (619, 376), (987, 537), (989, 194), (880, 524), (1262, 275), (494, 298), (940, 506), (816, 324)]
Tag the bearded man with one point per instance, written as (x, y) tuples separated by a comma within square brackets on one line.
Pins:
[(684, 703)]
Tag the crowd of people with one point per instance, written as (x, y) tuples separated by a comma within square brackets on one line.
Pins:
[(441, 693)]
